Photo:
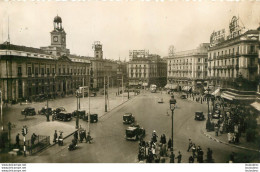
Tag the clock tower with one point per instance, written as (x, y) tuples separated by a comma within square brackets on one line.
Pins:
[(58, 35)]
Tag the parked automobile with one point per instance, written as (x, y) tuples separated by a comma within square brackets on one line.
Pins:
[(63, 116), (134, 132), (93, 118), (82, 113), (58, 110), (93, 94), (183, 96), (160, 100), (128, 118), (44, 110), (28, 111), (199, 116)]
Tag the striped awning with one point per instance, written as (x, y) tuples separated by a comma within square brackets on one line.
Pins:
[(171, 86), (256, 105), (227, 96), (186, 88), (216, 92)]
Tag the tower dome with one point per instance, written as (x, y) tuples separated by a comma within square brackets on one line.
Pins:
[(57, 19)]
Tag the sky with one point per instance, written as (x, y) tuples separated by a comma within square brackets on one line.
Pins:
[(123, 26)]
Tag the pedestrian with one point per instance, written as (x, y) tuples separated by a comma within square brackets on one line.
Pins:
[(193, 151), (164, 151), (76, 135), (88, 138), (201, 156), (55, 137), (33, 138), (216, 130), (60, 139), (17, 140), (190, 145), (179, 157), (169, 144), (191, 159), (209, 155), (172, 157), (81, 137)]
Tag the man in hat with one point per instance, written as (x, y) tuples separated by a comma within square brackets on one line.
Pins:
[(17, 140), (190, 145), (179, 157)]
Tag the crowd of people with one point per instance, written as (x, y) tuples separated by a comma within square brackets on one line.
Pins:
[(153, 151), (198, 153)]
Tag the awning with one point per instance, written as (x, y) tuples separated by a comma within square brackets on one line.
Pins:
[(186, 88), (256, 105), (171, 86), (216, 92), (167, 86), (227, 96)]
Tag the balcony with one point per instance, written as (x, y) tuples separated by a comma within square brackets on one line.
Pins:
[(19, 74), (230, 66), (252, 67)]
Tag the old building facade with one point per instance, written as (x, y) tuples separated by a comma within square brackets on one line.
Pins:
[(104, 70), (233, 63), (147, 69), (28, 73), (32, 73), (187, 70)]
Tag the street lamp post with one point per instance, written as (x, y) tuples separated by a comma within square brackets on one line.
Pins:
[(77, 119), (1, 110), (79, 96), (208, 120), (172, 107), (47, 104)]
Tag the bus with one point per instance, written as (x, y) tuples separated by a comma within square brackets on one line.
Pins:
[(153, 88)]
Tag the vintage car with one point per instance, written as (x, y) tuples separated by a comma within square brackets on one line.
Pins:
[(93, 94), (93, 118), (160, 100), (58, 110), (183, 96), (128, 118), (199, 116), (63, 116), (134, 132), (82, 113), (44, 110), (29, 111)]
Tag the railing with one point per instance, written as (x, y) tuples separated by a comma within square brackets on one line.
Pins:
[(39, 144)]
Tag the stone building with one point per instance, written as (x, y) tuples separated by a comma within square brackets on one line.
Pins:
[(232, 63), (103, 69), (145, 69), (33, 73), (30, 73), (187, 70)]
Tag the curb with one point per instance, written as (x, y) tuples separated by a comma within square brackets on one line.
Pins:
[(219, 141)]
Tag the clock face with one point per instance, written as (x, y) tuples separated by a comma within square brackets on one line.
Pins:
[(55, 39), (63, 39)]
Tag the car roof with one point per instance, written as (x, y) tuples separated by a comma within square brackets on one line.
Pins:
[(198, 112), (131, 128), (29, 108)]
